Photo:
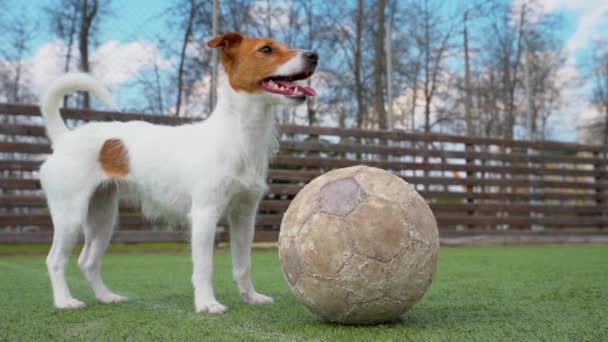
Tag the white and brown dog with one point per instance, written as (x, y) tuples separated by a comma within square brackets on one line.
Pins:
[(197, 172)]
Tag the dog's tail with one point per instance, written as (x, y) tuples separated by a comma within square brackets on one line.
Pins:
[(68, 83)]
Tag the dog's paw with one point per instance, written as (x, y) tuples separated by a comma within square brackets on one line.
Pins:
[(70, 303), (256, 298), (212, 308), (110, 298)]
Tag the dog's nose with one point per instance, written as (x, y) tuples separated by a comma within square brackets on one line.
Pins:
[(312, 57)]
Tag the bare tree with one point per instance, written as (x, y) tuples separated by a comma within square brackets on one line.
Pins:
[(152, 86), (63, 16), (379, 70), (215, 27), (596, 131), (20, 33), (88, 12), (470, 12), (182, 56), (357, 65)]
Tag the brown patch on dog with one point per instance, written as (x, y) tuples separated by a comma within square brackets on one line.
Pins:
[(114, 158), (245, 65)]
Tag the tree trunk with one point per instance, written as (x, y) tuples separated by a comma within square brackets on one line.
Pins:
[(468, 107), (215, 26), (310, 100), (379, 68), (68, 55), (414, 97), (182, 58), (606, 129), (17, 81), (427, 71), (87, 17), (358, 85)]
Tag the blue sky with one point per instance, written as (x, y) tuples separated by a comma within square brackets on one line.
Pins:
[(142, 20)]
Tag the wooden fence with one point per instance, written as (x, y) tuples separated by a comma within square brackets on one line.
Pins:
[(473, 185)]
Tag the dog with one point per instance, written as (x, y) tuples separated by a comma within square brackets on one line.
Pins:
[(194, 173)]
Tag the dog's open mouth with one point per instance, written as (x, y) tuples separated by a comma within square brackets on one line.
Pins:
[(284, 85)]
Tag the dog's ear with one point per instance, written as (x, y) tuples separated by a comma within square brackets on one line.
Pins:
[(227, 40)]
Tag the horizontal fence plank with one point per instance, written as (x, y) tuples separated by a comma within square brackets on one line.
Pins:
[(45, 220), (31, 148), (123, 236), (312, 146), (446, 237), (125, 219), (19, 184), (283, 160), (23, 130), (305, 176), (432, 138), (33, 201), (317, 146), (28, 201), (291, 189), (331, 163), (42, 220), (20, 165), (582, 221), (90, 115), (553, 209)]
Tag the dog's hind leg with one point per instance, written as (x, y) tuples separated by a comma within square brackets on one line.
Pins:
[(98, 228), (68, 218)]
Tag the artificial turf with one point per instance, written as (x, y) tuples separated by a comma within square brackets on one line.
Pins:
[(552, 293)]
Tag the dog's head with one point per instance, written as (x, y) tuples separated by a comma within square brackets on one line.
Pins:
[(265, 66)]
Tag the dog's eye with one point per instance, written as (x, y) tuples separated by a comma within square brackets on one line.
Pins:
[(266, 49)]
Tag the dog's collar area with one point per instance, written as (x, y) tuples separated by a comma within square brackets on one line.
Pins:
[(284, 85)]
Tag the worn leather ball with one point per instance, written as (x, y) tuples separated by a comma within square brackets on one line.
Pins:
[(358, 246)]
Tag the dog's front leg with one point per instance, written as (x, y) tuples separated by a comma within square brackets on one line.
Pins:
[(204, 222), (241, 218)]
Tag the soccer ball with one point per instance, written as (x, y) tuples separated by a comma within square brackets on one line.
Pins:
[(358, 246)]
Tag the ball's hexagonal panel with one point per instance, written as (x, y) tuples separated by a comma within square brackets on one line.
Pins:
[(383, 309), (323, 245), (289, 259), (378, 228), (340, 196), (322, 297), (421, 222), (410, 274), (385, 185), (366, 276), (300, 209)]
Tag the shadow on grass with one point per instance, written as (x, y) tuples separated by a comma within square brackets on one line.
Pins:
[(425, 317)]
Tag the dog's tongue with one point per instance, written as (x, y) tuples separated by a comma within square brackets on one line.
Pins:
[(308, 91)]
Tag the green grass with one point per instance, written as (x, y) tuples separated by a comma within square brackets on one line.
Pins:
[(552, 293)]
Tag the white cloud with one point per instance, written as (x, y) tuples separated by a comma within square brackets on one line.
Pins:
[(588, 114), (115, 63), (591, 17), (112, 62), (275, 13), (588, 28)]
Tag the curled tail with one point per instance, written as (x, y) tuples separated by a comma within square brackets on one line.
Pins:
[(68, 83)]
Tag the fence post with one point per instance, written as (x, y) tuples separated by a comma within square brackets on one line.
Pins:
[(599, 192), (470, 162)]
